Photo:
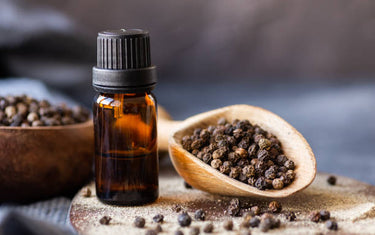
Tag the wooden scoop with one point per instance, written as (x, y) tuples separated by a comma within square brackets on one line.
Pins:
[(202, 176)]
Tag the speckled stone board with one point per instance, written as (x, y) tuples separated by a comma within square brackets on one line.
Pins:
[(351, 203)]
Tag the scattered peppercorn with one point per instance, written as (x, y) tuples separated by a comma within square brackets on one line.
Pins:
[(291, 216), (159, 218), (255, 210), (275, 207), (188, 186), (177, 208), (331, 225), (25, 111), (254, 222), (151, 232), (158, 228), (194, 231), (208, 228), (86, 192), (234, 207), (269, 222), (331, 180), (105, 220), (178, 232), (228, 225), (245, 223), (184, 219), (139, 222), (200, 215), (325, 215), (315, 216)]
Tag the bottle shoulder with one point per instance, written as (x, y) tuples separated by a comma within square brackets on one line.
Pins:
[(114, 100)]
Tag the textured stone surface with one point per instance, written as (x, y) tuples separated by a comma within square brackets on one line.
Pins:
[(351, 203)]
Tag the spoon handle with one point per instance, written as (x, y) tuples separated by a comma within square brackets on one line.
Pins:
[(165, 127)]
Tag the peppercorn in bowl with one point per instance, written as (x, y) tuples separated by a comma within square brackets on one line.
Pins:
[(46, 149), (242, 150)]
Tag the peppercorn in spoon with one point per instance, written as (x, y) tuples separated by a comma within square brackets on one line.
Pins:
[(206, 178)]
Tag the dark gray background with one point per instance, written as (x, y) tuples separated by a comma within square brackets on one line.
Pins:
[(311, 62)]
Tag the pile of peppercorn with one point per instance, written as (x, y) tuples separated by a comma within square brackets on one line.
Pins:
[(244, 152), (25, 111)]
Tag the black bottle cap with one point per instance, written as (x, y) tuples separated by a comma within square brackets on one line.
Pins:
[(124, 62)]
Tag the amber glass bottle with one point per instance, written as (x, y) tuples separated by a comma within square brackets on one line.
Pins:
[(126, 158)]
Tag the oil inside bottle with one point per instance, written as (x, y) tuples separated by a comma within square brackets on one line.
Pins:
[(126, 159)]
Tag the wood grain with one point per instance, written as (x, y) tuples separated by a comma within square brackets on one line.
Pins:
[(40, 162)]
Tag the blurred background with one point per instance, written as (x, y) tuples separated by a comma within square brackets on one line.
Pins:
[(311, 62)]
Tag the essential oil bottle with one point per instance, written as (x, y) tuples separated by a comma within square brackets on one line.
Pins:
[(126, 157)]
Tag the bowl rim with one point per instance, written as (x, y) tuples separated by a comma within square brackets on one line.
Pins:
[(87, 123)]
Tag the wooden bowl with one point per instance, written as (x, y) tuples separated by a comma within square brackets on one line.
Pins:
[(40, 162), (204, 177)]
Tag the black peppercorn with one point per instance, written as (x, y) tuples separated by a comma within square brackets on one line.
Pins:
[(315, 216), (158, 228), (263, 155), (264, 144), (151, 232), (194, 231), (243, 162), (208, 228), (207, 158), (253, 149), (196, 144), (255, 210), (241, 153), (331, 225), (331, 180), (277, 183), (291, 216), (270, 173), (200, 215), (225, 168), (159, 218), (105, 220), (139, 222), (228, 225), (178, 232), (325, 215), (218, 154), (289, 164), (261, 183), (176, 208), (266, 225), (235, 172), (248, 171), (216, 163), (275, 207), (254, 222), (184, 219)]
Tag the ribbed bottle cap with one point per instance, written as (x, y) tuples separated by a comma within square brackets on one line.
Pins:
[(124, 61)]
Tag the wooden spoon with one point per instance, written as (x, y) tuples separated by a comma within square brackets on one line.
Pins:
[(204, 177)]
